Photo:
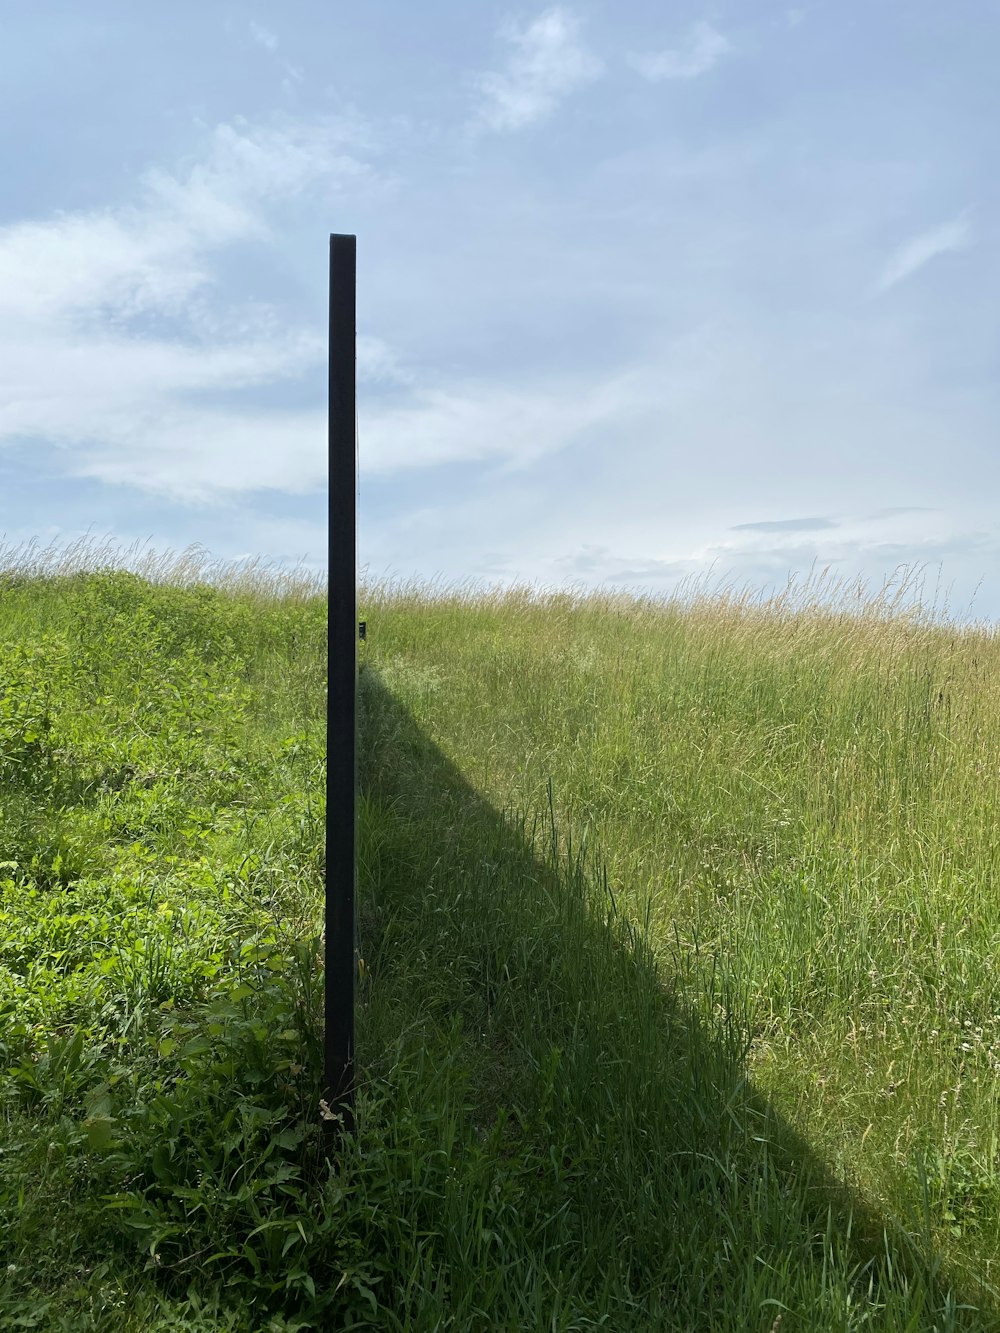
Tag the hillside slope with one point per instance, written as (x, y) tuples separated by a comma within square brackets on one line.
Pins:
[(679, 930)]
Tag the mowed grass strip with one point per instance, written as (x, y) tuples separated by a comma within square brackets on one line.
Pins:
[(656, 901)]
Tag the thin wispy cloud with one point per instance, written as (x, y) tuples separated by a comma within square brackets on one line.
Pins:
[(513, 425), (379, 363), (920, 250), (700, 51), (263, 36), (786, 525), (901, 511), (547, 63)]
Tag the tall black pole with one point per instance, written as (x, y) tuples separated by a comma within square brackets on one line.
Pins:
[(342, 631)]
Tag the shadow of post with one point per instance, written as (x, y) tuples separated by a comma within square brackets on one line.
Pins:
[(656, 1185)]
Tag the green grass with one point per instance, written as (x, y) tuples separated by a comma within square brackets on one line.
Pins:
[(680, 929)]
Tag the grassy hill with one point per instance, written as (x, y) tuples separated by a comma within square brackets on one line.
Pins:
[(680, 925)]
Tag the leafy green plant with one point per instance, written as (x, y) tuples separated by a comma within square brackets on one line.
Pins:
[(27, 678)]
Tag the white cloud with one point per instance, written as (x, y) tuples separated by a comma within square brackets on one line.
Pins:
[(294, 77), (378, 362), (151, 256), (511, 424), (205, 455), (151, 439), (58, 390), (547, 64), (703, 48), (155, 442), (953, 235), (125, 411), (85, 364), (263, 36)]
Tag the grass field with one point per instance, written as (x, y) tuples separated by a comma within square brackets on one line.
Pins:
[(680, 925)]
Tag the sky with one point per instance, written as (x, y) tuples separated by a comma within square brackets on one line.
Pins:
[(648, 292)]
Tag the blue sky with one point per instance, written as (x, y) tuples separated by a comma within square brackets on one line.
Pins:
[(646, 290)]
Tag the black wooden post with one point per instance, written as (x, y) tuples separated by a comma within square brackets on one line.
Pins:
[(341, 740)]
